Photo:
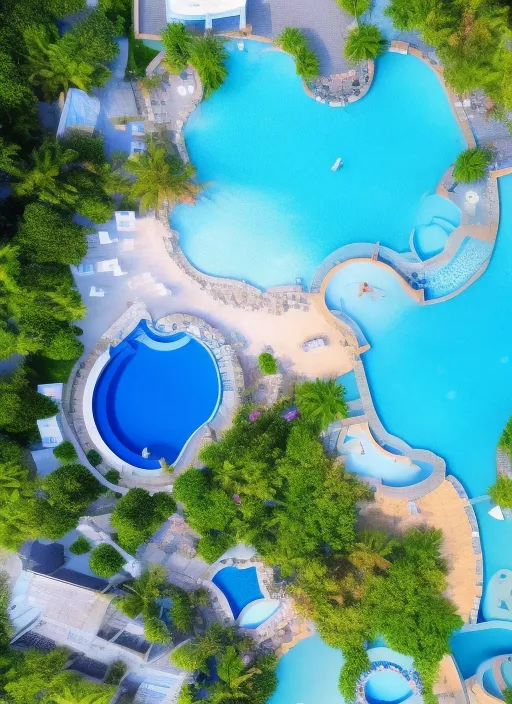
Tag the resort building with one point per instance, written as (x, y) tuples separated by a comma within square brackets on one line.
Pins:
[(205, 11)]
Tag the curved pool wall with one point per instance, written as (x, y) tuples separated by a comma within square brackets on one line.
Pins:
[(131, 391), (238, 213)]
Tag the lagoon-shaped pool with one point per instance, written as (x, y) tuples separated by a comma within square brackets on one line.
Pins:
[(266, 149), (154, 392)]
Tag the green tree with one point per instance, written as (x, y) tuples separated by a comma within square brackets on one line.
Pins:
[(161, 177), (21, 405), (471, 165), (138, 515), (43, 178), (363, 43), (65, 452), (143, 596), (501, 491), (356, 8), (105, 561), (46, 235), (33, 675), (178, 43), (72, 488), (267, 363), (81, 546), (208, 56), (307, 65), (80, 691), (321, 402), (372, 551)]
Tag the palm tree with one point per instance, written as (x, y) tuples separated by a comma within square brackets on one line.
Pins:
[(292, 40), (321, 402), (142, 592), (42, 179), (177, 43), (234, 684), (307, 64), (83, 692), (363, 42), (208, 57), (161, 177), (356, 8), (53, 65), (472, 165), (372, 550), (9, 158)]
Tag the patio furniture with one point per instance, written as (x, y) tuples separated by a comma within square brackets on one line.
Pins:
[(104, 238), (182, 90), (96, 292), (162, 290), (190, 88), (314, 343), (117, 271), (106, 265)]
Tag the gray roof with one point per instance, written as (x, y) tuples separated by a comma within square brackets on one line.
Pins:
[(41, 558)]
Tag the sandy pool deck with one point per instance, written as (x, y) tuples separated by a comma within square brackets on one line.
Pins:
[(284, 334)]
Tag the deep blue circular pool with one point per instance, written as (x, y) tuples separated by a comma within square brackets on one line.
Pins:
[(154, 392)]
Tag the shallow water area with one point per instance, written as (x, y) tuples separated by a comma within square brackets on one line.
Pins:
[(273, 209)]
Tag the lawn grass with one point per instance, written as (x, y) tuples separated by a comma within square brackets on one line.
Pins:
[(139, 56)]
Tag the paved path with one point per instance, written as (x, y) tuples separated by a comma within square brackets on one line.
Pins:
[(322, 21)]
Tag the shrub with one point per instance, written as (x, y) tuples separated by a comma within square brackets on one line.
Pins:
[(293, 41), (356, 662), (80, 546), (156, 631), (182, 610), (177, 43), (208, 57), (501, 491), (65, 452), (471, 165), (72, 488), (138, 515), (187, 694), (112, 476), (267, 363), (321, 402), (505, 441), (116, 671), (356, 8), (94, 457), (211, 547), (363, 43), (105, 561)]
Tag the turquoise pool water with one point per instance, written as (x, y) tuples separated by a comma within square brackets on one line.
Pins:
[(349, 383), (271, 187), (436, 219), (489, 684), (387, 686)]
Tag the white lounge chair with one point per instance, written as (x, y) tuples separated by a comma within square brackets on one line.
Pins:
[(117, 271), (162, 290), (190, 88), (182, 90), (106, 265), (104, 238), (96, 292)]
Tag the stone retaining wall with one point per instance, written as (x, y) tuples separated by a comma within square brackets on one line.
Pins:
[(477, 546)]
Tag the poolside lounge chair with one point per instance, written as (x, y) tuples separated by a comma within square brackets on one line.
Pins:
[(106, 265), (314, 343), (96, 292), (117, 271), (104, 238), (162, 290), (182, 90)]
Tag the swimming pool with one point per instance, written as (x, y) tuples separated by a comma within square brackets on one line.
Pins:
[(436, 219), (241, 588), (387, 686), (271, 187), (155, 391)]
